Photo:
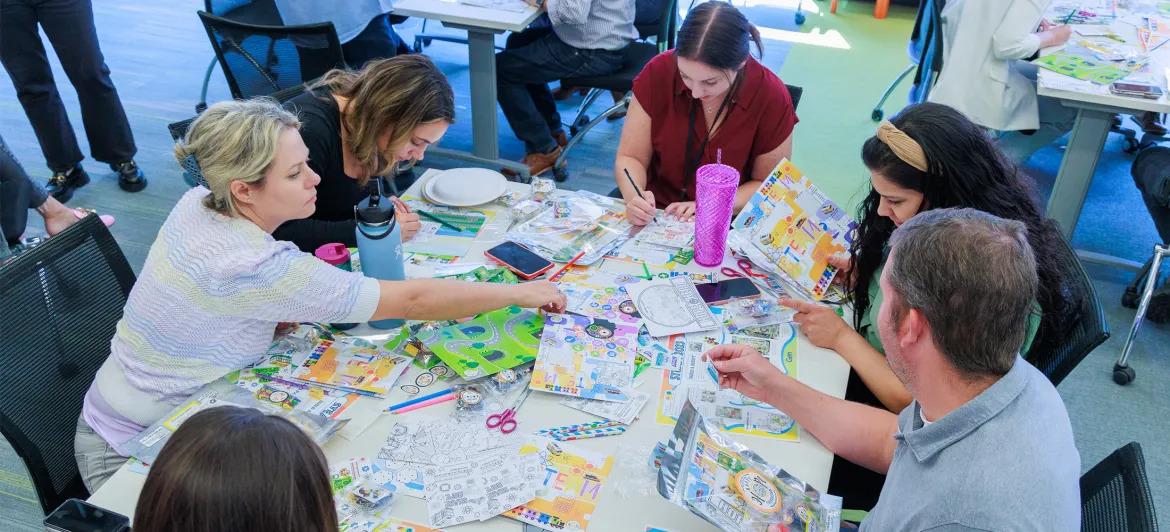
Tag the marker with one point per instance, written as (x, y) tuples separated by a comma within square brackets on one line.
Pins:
[(424, 404), (438, 220), (420, 399), (568, 265), (636, 189)]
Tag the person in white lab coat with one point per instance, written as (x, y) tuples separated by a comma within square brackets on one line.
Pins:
[(986, 74)]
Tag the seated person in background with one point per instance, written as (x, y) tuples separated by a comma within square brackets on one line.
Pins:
[(202, 481), (1151, 174), (363, 27), (986, 443), (364, 124), (587, 39), (986, 74), (216, 283), (706, 96), (18, 194)]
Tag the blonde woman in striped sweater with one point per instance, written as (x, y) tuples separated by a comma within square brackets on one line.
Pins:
[(216, 283)]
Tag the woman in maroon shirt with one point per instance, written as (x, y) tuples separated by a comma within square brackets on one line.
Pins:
[(707, 95)]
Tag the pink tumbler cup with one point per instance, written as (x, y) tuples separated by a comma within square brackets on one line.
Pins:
[(715, 186)]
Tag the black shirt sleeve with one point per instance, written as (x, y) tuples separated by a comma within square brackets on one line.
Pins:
[(337, 193)]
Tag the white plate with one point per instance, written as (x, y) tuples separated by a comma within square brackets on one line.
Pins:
[(465, 187)]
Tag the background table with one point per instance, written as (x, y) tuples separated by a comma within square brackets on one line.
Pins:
[(482, 25), (807, 459), (1095, 107)]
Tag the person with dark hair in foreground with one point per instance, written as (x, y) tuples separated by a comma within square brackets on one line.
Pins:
[(202, 481), (707, 96), (986, 442)]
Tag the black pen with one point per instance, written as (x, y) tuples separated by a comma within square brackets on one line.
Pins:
[(637, 190)]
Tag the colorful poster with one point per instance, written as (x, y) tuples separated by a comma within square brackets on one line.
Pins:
[(802, 229), (572, 484), (695, 380), (492, 342), (351, 364), (586, 357)]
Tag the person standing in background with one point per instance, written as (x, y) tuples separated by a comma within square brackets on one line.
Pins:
[(70, 28)]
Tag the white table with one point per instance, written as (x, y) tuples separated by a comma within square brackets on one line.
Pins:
[(808, 459), (482, 26), (1095, 107)]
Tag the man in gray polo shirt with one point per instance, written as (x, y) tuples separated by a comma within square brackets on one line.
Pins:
[(986, 444)]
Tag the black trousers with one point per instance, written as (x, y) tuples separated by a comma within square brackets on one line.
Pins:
[(69, 26)]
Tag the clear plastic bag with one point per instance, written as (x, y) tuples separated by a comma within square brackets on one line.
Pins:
[(575, 222), (732, 487)]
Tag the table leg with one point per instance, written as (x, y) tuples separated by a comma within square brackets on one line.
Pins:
[(481, 51), (1077, 167)]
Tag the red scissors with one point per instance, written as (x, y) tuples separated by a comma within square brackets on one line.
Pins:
[(506, 420), (745, 270)]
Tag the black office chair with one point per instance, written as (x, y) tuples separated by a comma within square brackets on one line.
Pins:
[(61, 301), (1056, 355), (924, 48), (1115, 494), (634, 59), (262, 12), (261, 60)]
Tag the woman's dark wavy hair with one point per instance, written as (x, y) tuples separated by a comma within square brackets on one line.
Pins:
[(964, 169)]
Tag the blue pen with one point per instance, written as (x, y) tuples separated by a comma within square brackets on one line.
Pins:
[(420, 399)]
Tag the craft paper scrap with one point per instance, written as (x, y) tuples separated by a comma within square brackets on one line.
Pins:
[(573, 478), (440, 442), (801, 230), (671, 306), (696, 380), (493, 341), (585, 357), (351, 364), (624, 412), (732, 487)]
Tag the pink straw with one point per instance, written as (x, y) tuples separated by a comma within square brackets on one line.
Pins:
[(424, 404)]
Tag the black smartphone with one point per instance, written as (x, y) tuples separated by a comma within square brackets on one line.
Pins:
[(724, 291), (75, 515), (519, 259)]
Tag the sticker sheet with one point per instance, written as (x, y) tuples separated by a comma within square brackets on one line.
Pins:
[(624, 412), (802, 229), (572, 482), (492, 342), (351, 364), (586, 357), (695, 380), (671, 306)]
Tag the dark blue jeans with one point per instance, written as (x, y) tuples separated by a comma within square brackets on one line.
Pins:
[(69, 26), (522, 76), (377, 41)]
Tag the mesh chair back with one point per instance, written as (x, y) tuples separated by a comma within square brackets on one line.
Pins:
[(1115, 494), (261, 12), (62, 300), (928, 33), (1056, 353), (259, 60)]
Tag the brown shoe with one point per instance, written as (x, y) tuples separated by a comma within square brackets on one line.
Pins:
[(539, 163), (561, 138), (564, 93)]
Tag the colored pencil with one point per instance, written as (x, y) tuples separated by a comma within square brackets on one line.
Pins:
[(424, 404), (438, 220), (636, 189), (421, 399), (647, 270), (1071, 13), (579, 426), (568, 265), (612, 431)]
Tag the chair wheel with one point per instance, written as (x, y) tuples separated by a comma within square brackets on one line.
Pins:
[(1132, 145), (877, 115), (1123, 374), (560, 174), (799, 18)]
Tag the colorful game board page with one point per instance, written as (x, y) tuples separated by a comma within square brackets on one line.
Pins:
[(492, 342), (586, 357)]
